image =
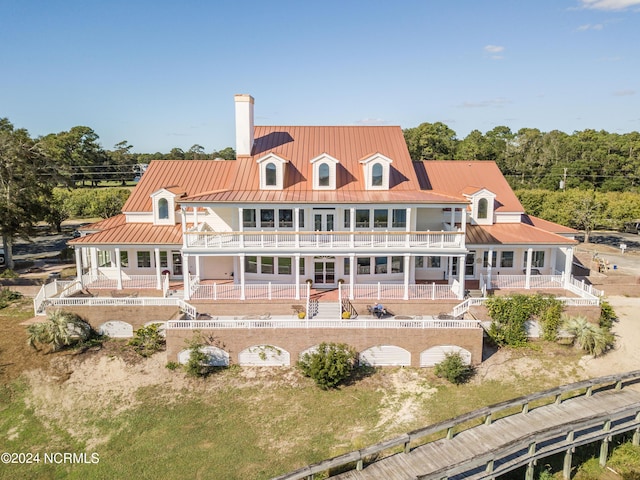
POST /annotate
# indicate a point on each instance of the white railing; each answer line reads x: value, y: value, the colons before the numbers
x: 463, y: 307
x: 188, y: 309
x: 306, y: 323
x: 69, y: 288
x: 235, y: 240
x: 113, y: 301
x: 580, y: 287
x: 396, y: 291
x: 98, y: 282
x: 520, y: 281
x: 233, y: 291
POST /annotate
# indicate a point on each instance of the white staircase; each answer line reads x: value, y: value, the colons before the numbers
x: 328, y: 311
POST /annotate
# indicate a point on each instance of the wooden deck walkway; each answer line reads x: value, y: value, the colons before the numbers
x: 475, y: 447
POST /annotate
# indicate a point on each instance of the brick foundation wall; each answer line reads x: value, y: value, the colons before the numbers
x: 296, y: 341
x: 136, y: 316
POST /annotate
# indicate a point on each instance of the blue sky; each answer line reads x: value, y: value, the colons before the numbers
x: 162, y: 74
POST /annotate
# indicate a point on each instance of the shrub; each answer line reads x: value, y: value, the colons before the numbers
x: 607, y: 315
x: 592, y: 339
x: 148, y: 340
x: 7, y: 297
x: 510, y: 313
x: 8, y: 273
x: 329, y: 365
x: 60, y: 330
x: 453, y: 368
x: 198, y: 364
x: 172, y: 366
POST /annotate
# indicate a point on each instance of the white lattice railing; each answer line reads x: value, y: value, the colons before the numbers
x: 233, y: 291
x: 306, y: 323
x: 396, y: 291
x: 235, y: 240
x: 100, y: 281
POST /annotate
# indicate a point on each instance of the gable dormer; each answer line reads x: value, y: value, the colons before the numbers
x: 272, y: 172
x: 377, y: 170
x: 482, y: 205
x: 163, y: 202
x: 324, y: 172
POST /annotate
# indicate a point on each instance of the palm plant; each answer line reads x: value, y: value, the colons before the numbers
x: 60, y: 330
x: 591, y: 338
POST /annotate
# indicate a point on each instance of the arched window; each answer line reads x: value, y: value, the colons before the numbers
x: 163, y: 209
x: 270, y: 174
x: 376, y: 175
x: 323, y: 175
x: 483, y: 207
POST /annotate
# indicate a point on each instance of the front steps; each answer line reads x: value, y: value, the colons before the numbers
x: 328, y: 311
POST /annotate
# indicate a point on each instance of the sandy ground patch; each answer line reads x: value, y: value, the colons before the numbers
x: 626, y: 355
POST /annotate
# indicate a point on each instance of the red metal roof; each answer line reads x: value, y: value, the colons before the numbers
x: 455, y: 177
x: 512, y: 234
x: 547, y: 225
x: 134, y: 233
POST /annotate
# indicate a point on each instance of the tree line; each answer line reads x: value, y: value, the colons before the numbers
x: 529, y: 158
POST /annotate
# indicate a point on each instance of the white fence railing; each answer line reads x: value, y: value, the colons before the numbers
x: 306, y: 324
x: 98, y: 282
x: 113, y: 301
x: 233, y: 291
x: 235, y: 240
x: 396, y: 291
x: 580, y: 287
x: 520, y: 281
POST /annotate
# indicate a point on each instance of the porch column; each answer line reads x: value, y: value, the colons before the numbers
x: 195, y: 217
x: 198, y: 265
x: 296, y: 229
x: 241, y: 260
x: 185, y: 275
x: 407, y: 267
x: 94, y: 260
x: 408, y: 226
x: 352, y: 274
x: 156, y: 255
x: 461, y: 268
x: 490, y: 266
x: 554, y: 259
x: 352, y: 229
x: 449, y: 269
x: 183, y: 218
x: 78, y: 252
x: 453, y: 219
x: 297, y: 267
x: 119, y: 267
x: 568, y: 264
x: 241, y: 225
x: 463, y: 225
x: 527, y: 282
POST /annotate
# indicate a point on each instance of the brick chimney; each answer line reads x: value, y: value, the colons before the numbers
x: 244, y: 124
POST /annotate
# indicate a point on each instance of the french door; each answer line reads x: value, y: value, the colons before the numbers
x: 324, y: 271
x: 323, y: 221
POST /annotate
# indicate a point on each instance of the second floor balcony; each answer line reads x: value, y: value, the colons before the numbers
x: 308, y: 241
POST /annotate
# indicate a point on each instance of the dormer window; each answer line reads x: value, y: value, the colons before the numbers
x: 272, y: 169
x: 163, y: 202
x: 377, y: 172
x: 324, y: 172
x: 271, y: 174
x: 376, y: 175
x: 163, y: 209
x: 323, y: 175
x: 483, y: 207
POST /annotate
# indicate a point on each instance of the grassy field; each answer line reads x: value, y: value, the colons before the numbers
x: 145, y: 421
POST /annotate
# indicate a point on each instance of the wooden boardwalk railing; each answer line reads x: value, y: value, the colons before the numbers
x: 476, y: 445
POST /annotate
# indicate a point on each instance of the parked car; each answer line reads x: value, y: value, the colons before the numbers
x: 2, y: 261
x: 632, y: 227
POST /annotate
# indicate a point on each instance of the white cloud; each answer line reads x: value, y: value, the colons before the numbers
x: 624, y: 93
x: 494, y: 102
x: 609, y: 4
x: 588, y: 26
x: 493, y: 49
